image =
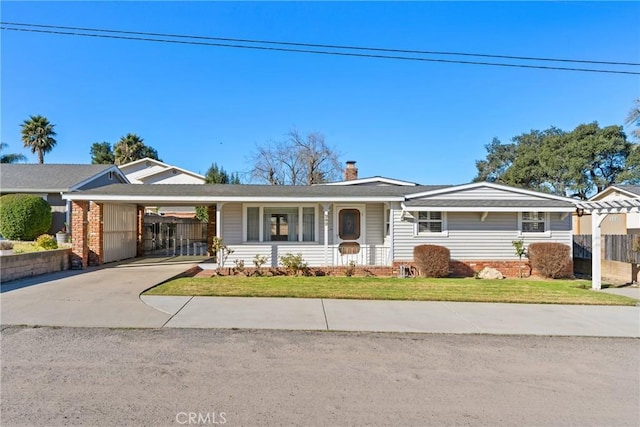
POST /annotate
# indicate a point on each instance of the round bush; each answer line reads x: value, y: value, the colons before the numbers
x: 47, y: 242
x: 23, y: 216
x: 432, y: 260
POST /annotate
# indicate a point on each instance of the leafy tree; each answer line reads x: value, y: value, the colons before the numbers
x: 131, y: 148
x: 299, y: 160
x: 38, y: 135
x: 10, y: 157
x: 633, y: 119
x: 576, y: 164
x: 102, y: 154
x: 215, y: 175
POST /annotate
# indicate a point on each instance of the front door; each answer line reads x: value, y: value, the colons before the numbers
x: 350, y: 234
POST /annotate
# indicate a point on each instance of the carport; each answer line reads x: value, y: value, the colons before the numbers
x: 108, y: 225
x: 598, y: 211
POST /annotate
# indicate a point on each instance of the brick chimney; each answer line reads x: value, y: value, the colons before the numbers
x: 351, y: 171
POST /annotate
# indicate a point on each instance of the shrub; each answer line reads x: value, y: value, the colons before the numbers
x: 47, y: 242
x: 5, y: 245
x: 431, y: 260
x: 23, y: 216
x: 351, y: 269
x: 294, y: 263
x: 550, y: 259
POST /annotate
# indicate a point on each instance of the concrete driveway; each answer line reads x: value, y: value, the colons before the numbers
x: 106, y: 297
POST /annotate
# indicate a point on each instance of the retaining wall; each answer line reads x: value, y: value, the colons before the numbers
x: 17, y: 266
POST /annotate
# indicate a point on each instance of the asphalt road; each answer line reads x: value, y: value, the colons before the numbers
x: 91, y: 376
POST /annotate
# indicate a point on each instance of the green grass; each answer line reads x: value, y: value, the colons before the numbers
x: 418, y: 289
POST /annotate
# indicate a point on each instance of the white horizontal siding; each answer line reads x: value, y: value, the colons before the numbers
x: 231, y: 225
x: 375, y: 224
x: 469, y: 238
x: 313, y: 254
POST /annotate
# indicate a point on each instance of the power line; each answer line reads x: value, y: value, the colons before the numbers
x: 329, y: 46
x: 320, y: 52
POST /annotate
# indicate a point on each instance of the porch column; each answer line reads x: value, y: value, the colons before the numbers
x: 79, y: 234
x: 139, y: 230
x: 96, y: 233
x: 219, y: 219
x: 391, y: 221
x: 325, y: 211
x: 596, y: 250
x: 211, y: 228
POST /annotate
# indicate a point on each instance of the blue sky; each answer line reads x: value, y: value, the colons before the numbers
x: 419, y: 121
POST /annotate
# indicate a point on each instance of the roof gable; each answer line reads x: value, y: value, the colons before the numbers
x: 486, y: 191
x: 145, y: 162
x: 618, y: 192
x: 157, y: 176
x: 374, y: 180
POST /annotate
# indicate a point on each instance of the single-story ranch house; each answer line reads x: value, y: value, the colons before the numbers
x: 374, y: 222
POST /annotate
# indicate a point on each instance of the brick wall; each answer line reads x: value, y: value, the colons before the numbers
x: 96, y: 234
x: 79, y: 233
x: 461, y: 268
x: 17, y: 266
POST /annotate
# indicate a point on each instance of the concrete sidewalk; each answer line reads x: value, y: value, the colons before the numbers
x: 398, y: 316
x: 109, y: 296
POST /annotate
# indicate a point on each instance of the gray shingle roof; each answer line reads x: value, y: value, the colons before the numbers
x: 46, y: 178
x: 243, y: 190
x: 635, y: 189
x: 450, y: 203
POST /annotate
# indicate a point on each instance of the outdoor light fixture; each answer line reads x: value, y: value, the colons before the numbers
x: 579, y: 211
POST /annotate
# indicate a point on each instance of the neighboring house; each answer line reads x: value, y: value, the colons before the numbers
x: 150, y: 171
x: 373, y: 222
x: 51, y: 180
x: 613, y: 223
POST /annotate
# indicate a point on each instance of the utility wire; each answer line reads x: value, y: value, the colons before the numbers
x: 329, y: 46
x: 320, y: 52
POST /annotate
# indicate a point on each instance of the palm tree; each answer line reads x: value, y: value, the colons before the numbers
x: 12, y: 157
x: 130, y: 148
x: 38, y: 134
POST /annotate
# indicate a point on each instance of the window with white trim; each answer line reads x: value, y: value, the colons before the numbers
x: 284, y: 224
x: 387, y: 222
x: 430, y: 222
x: 533, y: 222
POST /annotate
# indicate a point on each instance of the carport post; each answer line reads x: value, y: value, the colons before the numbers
x: 596, y: 250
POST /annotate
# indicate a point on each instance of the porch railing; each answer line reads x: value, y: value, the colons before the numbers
x: 367, y: 255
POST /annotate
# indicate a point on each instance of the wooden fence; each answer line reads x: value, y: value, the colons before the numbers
x: 616, y: 247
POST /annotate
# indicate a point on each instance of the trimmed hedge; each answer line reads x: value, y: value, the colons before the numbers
x: 24, y: 216
x: 552, y: 260
x: 431, y: 260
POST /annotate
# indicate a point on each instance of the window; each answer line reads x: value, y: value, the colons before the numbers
x: 387, y: 222
x: 280, y: 224
x: 430, y: 222
x: 533, y: 222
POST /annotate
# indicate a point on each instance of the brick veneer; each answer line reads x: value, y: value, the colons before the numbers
x: 79, y: 233
x: 96, y: 233
x: 468, y: 268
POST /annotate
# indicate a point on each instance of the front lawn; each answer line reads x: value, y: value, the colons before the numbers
x: 418, y: 289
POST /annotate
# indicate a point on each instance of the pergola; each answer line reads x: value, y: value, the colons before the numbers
x: 599, y: 211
